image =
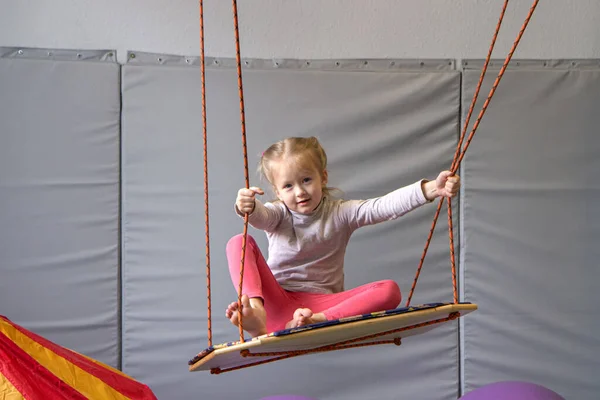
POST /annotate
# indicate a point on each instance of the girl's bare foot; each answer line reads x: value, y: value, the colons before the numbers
x: 304, y: 316
x: 254, y: 315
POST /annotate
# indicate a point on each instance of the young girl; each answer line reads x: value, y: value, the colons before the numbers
x: 302, y: 282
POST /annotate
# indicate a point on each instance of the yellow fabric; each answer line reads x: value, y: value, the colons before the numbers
x: 85, y: 383
x: 8, y: 391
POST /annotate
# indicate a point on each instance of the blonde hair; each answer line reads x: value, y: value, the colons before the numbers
x: 302, y: 150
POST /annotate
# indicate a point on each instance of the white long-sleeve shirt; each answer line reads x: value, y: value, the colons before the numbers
x: 306, y: 252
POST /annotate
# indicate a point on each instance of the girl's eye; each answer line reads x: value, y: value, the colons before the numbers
x: 307, y: 179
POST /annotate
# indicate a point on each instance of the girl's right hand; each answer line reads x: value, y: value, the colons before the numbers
x: 245, y: 199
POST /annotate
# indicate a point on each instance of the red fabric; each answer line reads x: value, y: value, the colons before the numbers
x: 30, y: 378
x: 126, y: 386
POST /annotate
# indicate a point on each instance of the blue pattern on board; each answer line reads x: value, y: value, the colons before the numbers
x: 362, y: 317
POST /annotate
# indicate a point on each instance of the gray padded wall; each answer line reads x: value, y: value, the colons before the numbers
x: 532, y: 226
x: 59, y: 196
x: 383, y: 128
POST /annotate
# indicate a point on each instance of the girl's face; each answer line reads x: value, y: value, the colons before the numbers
x: 298, y: 185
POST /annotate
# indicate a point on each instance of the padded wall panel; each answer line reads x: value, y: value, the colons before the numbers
x: 59, y: 196
x: 531, y: 227
x: 384, y: 125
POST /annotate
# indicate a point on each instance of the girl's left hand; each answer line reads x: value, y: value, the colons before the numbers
x: 447, y: 185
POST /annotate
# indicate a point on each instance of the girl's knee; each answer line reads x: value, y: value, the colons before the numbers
x: 236, y: 241
x: 390, y: 293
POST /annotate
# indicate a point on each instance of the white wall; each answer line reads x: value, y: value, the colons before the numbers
x: 307, y: 28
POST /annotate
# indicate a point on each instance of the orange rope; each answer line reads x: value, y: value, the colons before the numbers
x: 441, y: 202
x: 205, y: 143
x: 452, y: 258
x: 458, y: 147
x: 457, y: 160
x: 245, y: 152
x: 478, y: 88
x: 495, y: 85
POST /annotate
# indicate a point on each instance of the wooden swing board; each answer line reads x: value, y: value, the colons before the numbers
x: 409, y: 319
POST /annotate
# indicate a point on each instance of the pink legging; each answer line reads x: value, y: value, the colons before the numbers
x: 280, y: 304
